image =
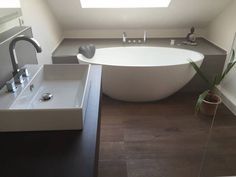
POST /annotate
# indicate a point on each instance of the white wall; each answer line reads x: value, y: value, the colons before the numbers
x: 173, y: 21
x: 46, y: 29
x: 221, y: 31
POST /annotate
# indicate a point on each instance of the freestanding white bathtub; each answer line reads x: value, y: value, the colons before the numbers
x: 143, y: 73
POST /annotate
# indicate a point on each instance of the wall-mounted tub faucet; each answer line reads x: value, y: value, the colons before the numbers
x: 145, y: 37
x: 19, y: 73
x: 124, y: 37
x: 134, y: 41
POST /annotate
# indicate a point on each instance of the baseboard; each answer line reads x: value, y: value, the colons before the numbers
x: 226, y: 100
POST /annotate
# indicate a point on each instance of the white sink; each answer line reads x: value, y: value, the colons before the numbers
x: 65, y: 86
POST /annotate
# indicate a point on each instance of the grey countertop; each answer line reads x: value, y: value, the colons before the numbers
x: 7, y: 35
x: 69, y: 47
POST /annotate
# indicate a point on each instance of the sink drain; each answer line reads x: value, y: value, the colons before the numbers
x: 46, y: 97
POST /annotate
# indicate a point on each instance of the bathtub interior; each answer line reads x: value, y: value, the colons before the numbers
x: 142, y: 56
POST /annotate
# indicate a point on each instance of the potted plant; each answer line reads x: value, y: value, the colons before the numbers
x: 208, y: 101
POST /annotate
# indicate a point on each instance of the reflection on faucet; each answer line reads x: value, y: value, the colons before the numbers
x: 144, y: 36
x: 124, y: 37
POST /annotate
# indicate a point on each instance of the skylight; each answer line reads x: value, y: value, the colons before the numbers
x: 124, y: 3
x: 9, y: 3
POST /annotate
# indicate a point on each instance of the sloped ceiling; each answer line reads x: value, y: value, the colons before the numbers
x: 180, y: 14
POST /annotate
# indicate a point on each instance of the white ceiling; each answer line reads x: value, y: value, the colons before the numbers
x: 180, y: 14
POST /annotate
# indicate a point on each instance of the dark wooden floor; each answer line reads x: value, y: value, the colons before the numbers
x: 164, y: 139
x: 220, y: 158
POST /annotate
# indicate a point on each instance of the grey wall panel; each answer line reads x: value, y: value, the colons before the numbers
x: 65, y: 60
x: 25, y: 52
x: 5, y: 66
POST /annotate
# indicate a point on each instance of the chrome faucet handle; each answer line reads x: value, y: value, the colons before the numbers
x: 145, y: 36
x: 25, y: 72
x: 11, y: 86
x: 19, y: 78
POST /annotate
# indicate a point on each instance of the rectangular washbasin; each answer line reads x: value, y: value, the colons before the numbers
x: 54, y: 98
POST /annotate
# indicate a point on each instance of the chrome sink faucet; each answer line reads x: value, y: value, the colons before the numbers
x: 18, y: 73
x: 12, y: 50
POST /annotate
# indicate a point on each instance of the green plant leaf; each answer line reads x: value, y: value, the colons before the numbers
x: 227, y: 70
x: 200, y: 100
x: 232, y: 56
x: 198, y: 70
x: 216, y: 80
x: 230, y: 65
x: 219, y: 77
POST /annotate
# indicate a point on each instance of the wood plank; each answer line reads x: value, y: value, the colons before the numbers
x: 165, y: 138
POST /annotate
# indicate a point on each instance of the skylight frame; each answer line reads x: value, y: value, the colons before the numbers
x: 125, y: 3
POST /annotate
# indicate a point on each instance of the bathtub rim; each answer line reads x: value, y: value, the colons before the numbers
x: 82, y: 58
